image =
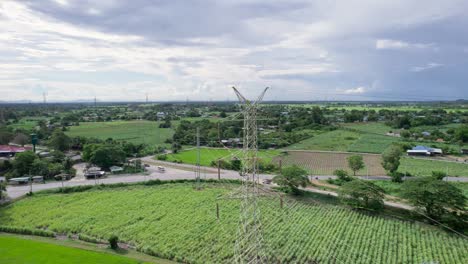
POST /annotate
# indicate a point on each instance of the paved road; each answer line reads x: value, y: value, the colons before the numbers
x: 152, y: 174
x: 173, y: 171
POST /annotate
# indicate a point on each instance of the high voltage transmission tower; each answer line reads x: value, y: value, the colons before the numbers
x: 248, y: 247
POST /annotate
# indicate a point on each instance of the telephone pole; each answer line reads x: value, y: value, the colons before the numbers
x: 44, y: 97
x: 197, y: 172
x: 249, y: 245
x: 146, y: 97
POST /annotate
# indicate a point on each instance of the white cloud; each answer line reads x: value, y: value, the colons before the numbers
x: 290, y: 44
x: 428, y: 66
x: 62, y: 2
x: 398, y: 44
x: 357, y: 90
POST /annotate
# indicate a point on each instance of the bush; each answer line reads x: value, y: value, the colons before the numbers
x: 162, y: 157
x: 88, y: 239
x: 439, y: 175
x: 342, y: 175
x: 113, y: 242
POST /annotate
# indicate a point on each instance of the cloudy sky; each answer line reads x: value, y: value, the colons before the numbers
x: 119, y: 50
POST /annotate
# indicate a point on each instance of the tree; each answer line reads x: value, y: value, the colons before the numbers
x: 23, y: 162
x: 40, y: 167
x: 461, y: 134
x: 342, y: 176
x: 176, y: 147
x: 391, y: 161
x: 362, y: 194
x: 114, y: 242
x: 59, y: 141
x: 107, y: 155
x: 438, y: 199
x: 405, y: 134
x: 67, y: 165
x: 355, y: 163
x: 5, y: 136
x: 54, y: 169
x: 223, y: 114
x: 21, y: 139
x: 292, y: 177
x: 2, y: 190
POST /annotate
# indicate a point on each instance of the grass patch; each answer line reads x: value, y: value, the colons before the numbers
x: 425, y: 167
x: 336, y: 140
x: 15, y: 250
x: 147, y: 132
x: 213, y: 154
x: 371, y: 127
x: 372, y: 143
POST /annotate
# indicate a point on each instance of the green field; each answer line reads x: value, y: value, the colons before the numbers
x: 213, y: 154
x: 14, y: 250
x: 424, y: 167
x: 177, y: 222
x: 394, y: 108
x: 131, y: 131
x: 336, y: 140
x: 26, y: 123
x: 372, y: 143
x: 371, y: 127
x: 393, y: 188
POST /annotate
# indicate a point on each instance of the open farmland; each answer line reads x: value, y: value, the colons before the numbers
x: 14, y: 250
x: 425, y: 166
x: 370, y: 127
x: 372, y: 143
x: 177, y: 222
x: 325, y: 163
x: 207, y: 155
x: 26, y: 123
x: 131, y: 131
x: 336, y: 140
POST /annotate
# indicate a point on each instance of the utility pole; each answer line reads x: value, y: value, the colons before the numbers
x: 197, y: 173
x: 44, y: 97
x: 146, y: 97
x: 2, y: 116
x: 249, y: 246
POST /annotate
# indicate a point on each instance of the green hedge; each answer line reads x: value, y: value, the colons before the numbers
x: 26, y: 231
x: 75, y: 189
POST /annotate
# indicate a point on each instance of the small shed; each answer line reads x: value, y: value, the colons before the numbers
x: 425, y: 133
x: 116, y: 169
x: 20, y: 180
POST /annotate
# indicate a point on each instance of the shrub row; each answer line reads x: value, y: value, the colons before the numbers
x: 90, y: 239
x: 83, y: 188
x: 26, y: 231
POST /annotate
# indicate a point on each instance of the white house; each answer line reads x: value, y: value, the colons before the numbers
x: 424, y: 151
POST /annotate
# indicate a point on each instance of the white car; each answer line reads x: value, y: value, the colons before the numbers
x: 161, y: 169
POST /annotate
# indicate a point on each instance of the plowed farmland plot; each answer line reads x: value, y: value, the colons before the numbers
x: 324, y: 163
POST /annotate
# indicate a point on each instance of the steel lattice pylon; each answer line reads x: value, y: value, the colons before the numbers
x: 248, y: 247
